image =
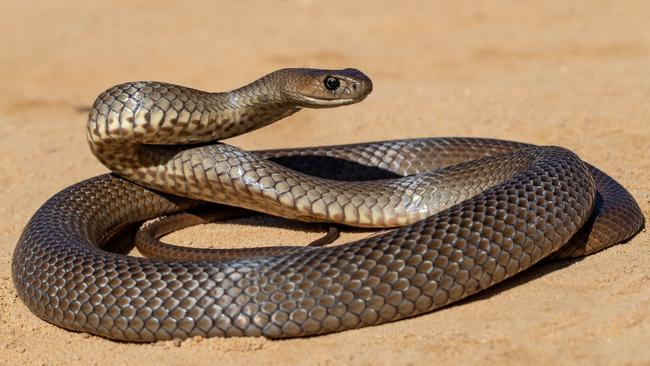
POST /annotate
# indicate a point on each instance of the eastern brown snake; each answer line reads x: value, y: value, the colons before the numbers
x: 467, y: 213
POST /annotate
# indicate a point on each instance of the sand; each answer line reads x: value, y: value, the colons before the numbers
x: 574, y: 75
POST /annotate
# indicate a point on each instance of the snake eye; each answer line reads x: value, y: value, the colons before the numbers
x: 332, y: 83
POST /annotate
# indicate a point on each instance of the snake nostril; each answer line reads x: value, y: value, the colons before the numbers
x: 354, y: 87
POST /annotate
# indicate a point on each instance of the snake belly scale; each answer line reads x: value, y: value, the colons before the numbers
x: 463, y: 214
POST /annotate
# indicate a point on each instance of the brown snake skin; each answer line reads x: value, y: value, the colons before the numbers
x: 469, y: 213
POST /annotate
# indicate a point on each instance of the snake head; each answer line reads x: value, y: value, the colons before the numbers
x: 316, y: 88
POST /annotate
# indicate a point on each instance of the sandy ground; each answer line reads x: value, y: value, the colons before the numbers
x: 542, y: 72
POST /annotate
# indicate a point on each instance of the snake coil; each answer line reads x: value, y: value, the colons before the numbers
x: 466, y: 214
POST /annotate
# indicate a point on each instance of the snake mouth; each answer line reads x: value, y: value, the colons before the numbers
x: 318, y: 102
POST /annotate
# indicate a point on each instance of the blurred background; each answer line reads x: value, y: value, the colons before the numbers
x: 427, y: 58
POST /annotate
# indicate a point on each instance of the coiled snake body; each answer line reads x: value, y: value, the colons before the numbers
x: 467, y: 213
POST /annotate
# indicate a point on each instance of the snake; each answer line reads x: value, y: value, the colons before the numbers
x: 457, y: 215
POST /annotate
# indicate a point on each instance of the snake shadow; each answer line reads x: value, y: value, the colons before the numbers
x: 333, y: 168
x: 536, y: 271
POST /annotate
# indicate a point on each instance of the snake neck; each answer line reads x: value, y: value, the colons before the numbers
x: 128, y: 117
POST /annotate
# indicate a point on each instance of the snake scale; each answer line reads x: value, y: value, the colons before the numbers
x: 461, y: 214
